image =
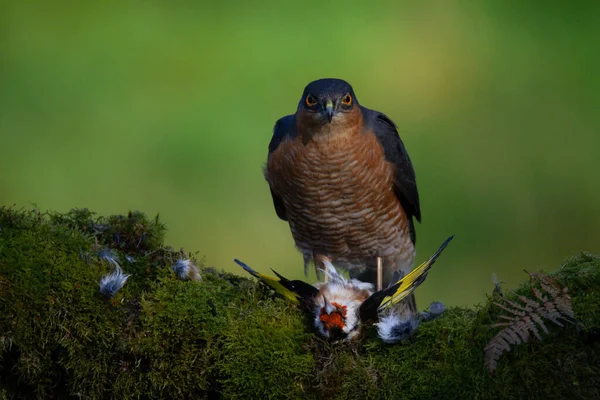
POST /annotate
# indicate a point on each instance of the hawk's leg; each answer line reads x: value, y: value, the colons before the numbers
x: 379, y: 273
x: 319, y: 261
x: 323, y: 259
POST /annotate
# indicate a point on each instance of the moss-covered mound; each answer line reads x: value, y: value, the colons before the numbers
x: 226, y: 336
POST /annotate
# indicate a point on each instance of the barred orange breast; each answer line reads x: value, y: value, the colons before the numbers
x: 337, y: 189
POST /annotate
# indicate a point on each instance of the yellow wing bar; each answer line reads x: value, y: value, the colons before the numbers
x: 294, y: 291
x: 409, y: 283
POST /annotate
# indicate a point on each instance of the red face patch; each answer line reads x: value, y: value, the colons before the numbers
x: 335, y: 319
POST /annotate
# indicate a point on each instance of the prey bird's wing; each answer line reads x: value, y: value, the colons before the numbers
x: 405, y: 184
x: 303, y: 290
x: 295, y: 291
x: 284, y: 128
x: 407, y: 285
x: 378, y: 301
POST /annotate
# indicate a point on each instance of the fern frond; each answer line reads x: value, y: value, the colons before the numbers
x: 549, y: 302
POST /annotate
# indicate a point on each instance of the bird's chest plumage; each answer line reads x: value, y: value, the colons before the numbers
x: 338, y: 194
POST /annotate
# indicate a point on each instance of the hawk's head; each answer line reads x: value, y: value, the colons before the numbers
x: 328, y: 103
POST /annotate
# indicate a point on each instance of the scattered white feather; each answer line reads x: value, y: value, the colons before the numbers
x: 391, y: 328
x: 436, y: 308
x: 186, y: 269
x: 111, y: 283
x: 495, y: 279
x: 130, y: 259
x: 109, y: 255
x: 497, y: 283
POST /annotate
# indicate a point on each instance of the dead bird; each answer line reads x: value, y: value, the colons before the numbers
x: 342, y: 306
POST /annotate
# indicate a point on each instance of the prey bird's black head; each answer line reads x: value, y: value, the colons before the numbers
x: 325, y: 99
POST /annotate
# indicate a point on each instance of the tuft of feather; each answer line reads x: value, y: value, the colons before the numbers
x: 111, y: 283
x: 109, y: 255
x: 186, y: 269
x: 392, y: 328
x: 497, y: 284
x: 436, y: 308
x: 434, y: 311
x: 549, y: 302
x: 129, y: 259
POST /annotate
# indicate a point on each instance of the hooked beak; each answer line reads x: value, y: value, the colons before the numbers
x: 329, y: 110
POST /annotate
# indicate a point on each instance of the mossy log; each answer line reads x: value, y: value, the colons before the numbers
x: 226, y: 336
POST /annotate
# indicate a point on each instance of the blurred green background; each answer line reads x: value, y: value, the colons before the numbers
x: 168, y: 107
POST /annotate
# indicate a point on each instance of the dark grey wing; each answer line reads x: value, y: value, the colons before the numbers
x: 284, y: 128
x: 279, y: 206
x: 405, y: 184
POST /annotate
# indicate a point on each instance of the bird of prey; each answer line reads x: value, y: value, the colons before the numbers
x: 340, y: 175
x: 341, y: 307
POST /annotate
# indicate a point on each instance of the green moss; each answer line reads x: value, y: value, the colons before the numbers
x: 263, y: 353
x: 227, y: 336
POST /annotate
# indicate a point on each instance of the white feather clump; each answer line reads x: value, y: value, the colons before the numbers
x: 111, y: 283
x: 186, y: 269
x: 391, y: 328
x: 435, y: 310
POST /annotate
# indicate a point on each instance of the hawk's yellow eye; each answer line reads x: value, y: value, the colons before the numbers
x: 347, y: 100
x: 310, y: 100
